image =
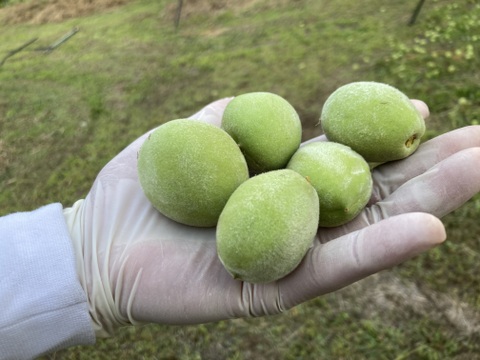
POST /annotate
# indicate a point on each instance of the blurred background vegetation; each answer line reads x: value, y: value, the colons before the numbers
x: 64, y: 113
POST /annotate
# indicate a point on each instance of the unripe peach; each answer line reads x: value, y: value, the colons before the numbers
x: 376, y: 120
x: 266, y: 127
x: 188, y: 169
x: 267, y: 226
x: 341, y: 177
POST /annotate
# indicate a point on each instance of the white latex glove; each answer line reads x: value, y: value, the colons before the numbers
x: 137, y: 266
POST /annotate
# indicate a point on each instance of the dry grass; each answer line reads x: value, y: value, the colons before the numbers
x: 195, y: 7
x: 51, y: 11
x: 54, y: 11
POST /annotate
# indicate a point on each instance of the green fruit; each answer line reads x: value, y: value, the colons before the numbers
x: 341, y: 177
x: 189, y: 169
x: 267, y: 226
x: 266, y: 127
x: 374, y: 119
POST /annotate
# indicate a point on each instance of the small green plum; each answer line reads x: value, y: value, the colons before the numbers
x: 266, y: 127
x: 376, y: 120
x: 188, y: 169
x: 267, y: 226
x: 341, y: 177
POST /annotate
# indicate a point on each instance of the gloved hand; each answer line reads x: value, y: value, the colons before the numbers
x: 136, y: 266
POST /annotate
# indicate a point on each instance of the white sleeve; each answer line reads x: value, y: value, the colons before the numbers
x: 43, y: 307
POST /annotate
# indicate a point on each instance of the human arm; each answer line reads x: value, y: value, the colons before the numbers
x: 44, y: 308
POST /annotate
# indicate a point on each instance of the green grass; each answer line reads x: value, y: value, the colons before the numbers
x: 63, y: 115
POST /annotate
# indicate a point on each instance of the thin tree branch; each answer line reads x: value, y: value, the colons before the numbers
x: 178, y: 13
x: 59, y: 41
x: 414, y: 16
x: 14, y: 51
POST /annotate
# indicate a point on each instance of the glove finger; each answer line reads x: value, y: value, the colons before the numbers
x: 438, y: 191
x: 213, y: 112
x: 345, y: 260
x: 390, y: 176
x: 421, y: 107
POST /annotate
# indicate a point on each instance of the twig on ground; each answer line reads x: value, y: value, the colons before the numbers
x: 14, y: 51
x: 59, y: 41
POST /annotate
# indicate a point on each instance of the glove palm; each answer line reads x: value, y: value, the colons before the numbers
x: 137, y: 266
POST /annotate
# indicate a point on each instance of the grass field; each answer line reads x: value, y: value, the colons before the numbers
x: 65, y: 113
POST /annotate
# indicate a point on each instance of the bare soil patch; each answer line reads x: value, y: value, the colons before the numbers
x: 395, y: 299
